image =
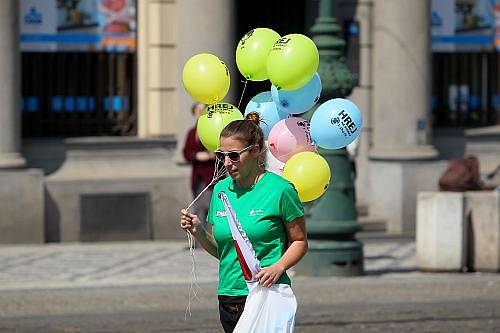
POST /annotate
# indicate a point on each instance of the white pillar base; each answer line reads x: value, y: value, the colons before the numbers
x: 12, y: 161
x: 441, y: 231
x: 22, y: 206
x: 394, y: 188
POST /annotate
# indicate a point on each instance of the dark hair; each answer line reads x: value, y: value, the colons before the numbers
x: 246, y: 130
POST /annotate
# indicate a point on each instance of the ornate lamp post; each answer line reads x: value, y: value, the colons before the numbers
x: 332, y: 219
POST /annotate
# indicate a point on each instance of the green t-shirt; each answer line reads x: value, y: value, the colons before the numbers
x: 262, y: 210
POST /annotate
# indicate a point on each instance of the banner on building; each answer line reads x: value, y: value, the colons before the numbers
x: 78, y: 25
x: 496, y: 12
x: 464, y: 25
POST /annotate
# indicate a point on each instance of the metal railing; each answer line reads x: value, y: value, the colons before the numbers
x: 466, y: 89
x: 68, y: 94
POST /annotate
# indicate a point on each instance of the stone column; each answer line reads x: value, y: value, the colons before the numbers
x: 205, y: 26
x: 401, y: 106
x: 169, y: 33
x: 402, y: 80
x: 21, y: 189
x: 10, y: 129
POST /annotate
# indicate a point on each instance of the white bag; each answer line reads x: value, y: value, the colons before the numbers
x: 267, y: 310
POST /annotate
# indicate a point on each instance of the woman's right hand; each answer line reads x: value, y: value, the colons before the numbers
x: 189, y: 222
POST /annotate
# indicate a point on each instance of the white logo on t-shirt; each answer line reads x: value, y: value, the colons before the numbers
x: 220, y: 214
x: 256, y: 212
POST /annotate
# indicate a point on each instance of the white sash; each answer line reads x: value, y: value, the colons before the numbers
x: 266, y: 309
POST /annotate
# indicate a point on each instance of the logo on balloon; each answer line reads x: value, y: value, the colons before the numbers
x: 245, y: 38
x: 281, y: 43
x: 221, y: 108
x: 227, y: 71
x: 307, y: 130
x: 347, y: 120
x: 348, y: 127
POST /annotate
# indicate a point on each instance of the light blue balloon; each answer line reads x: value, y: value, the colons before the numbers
x: 336, y: 123
x: 263, y: 104
x: 298, y: 100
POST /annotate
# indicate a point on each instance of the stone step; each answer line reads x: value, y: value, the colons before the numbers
x: 372, y: 223
x: 380, y: 237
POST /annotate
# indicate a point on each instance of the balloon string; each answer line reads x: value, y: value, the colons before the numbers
x: 243, y: 93
x: 194, y: 288
x: 218, y: 174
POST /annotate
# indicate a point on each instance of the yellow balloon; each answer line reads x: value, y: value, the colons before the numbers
x: 206, y: 78
x: 309, y: 173
x: 213, y: 120
x: 292, y: 62
x: 252, y: 52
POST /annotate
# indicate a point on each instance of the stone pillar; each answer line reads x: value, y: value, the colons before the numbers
x: 362, y: 96
x: 10, y: 129
x: 21, y: 190
x: 207, y: 26
x: 402, y: 82
x: 401, y: 106
x: 169, y: 33
x: 157, y: 67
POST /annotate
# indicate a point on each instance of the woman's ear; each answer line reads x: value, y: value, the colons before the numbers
x: 256, y: 151
x: 261, y: 158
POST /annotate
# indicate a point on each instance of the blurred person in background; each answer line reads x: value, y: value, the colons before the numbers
x: 203, y: 164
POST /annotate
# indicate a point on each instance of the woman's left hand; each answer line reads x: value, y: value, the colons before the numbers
x: 269, y: 275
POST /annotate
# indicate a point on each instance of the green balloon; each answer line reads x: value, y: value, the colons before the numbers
x: 292, y: 62
x: 213, y: 120
x: 252, y: 52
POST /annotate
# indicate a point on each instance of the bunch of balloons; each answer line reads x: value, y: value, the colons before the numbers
x: 291, y: 64
x: 206, y: 79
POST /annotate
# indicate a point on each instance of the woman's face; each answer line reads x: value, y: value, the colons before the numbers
x: 248, y: 162
x: 198, y: 110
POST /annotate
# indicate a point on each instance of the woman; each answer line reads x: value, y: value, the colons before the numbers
x: 268, y: 208
x: 202, y: 162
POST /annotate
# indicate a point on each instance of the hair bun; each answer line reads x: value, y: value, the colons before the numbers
x: 254, y: 117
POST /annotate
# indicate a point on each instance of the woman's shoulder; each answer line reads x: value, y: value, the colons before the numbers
x: 222, y: 184
x: 277, y: 181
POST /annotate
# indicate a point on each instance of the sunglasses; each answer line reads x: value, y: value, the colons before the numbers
x: 234, y: 156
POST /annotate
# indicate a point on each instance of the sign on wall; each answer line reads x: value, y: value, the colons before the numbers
x: 78, y: 25
x: 464, y: 25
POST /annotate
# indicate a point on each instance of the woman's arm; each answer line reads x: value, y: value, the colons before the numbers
x: 190, y: 222
x: 297, y: 236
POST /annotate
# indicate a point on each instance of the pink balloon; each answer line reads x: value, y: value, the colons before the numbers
x: 289, y: 137
x: 272, y: 163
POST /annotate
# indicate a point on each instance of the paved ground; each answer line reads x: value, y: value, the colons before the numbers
x: 143, y: 287
x: 145, y: 263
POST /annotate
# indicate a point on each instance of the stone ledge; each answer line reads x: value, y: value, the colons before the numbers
x: 422, y: 152
x: 483, y: 131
